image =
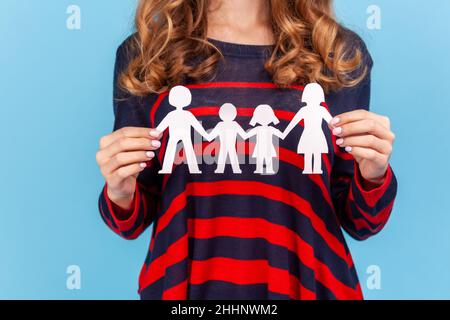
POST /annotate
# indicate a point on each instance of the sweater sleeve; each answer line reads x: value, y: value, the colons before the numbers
x: 362, y: 211
x: 129, y: 111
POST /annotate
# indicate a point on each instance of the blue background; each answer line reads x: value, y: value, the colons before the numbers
x: 55, y: 103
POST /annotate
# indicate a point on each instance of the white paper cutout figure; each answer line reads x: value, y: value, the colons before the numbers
x: 264, y: 149
x: 227, y: 130
x: 179, y: 123
x: 312, y: 142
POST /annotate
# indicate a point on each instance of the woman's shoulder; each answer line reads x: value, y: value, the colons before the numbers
x: 357, y: 96
x: 129, y: 109
x: 355, y: 44
x: 127, y: 50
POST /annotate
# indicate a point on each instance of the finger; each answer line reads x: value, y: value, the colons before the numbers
x: 362, y: 127
x: 130, y: 144
x: 126, y: 158
x: 366, y: 153
x: 126, y: 172
x: 358, y: 115
x: 350, y: 116
x: 366, y: 141
x: 129, y: 132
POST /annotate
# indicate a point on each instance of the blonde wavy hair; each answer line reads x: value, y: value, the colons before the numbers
x: 311, y: 46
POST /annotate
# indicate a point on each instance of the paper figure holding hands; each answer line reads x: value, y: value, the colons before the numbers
x: 264, y: 151
x: 227, y: 130
x: 312, y: 142
x: 179, y: 123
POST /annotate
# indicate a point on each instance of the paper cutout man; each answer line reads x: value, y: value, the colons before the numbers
x: 264, y: 149
x: 227, y: 130
x: 312, y: 142
x: 179, y: 123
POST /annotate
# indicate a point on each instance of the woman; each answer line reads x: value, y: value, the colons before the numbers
x: 312, y: 142
x: 245, y: 236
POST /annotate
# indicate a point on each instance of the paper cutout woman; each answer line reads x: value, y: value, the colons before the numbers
x: 264, y: 149
x: 179, y: 123
x: 312, y: 142
x: 227, y: 130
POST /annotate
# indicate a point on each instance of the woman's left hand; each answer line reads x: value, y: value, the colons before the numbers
x: 368, y: 137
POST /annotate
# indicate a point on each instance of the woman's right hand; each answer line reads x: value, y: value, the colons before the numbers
x: 123, y: 154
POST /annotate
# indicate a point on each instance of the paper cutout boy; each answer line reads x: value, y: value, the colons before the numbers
x: 227, y: 130
x: 312, y: 142
x: 179, y: 123
x: 264, y: 151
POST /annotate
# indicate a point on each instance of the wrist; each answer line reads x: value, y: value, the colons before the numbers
x: 124, y: 202
x: 370, y: 183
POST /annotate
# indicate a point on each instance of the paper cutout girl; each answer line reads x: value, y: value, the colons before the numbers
x: 227, y: 130
x: 312, y: 142
x: 179, y: 123
x: 264, y: 149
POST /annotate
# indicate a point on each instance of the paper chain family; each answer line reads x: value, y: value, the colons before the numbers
x: 312, y: 142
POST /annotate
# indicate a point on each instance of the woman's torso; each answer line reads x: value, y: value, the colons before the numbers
x: 247, y: 236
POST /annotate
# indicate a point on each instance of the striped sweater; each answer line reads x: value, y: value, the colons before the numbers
x: 248, y: 236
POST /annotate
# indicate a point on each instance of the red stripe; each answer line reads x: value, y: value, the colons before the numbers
x: 253, y: 189
x: 178, y: 292
x: 255, y: 85
x: 274, y: 234
x: 175, y: 253
x: 152, y: 242
x: 162, y: 149
x: 247, y: 272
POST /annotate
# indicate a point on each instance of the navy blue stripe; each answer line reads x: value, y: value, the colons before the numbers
x: 323, y: 293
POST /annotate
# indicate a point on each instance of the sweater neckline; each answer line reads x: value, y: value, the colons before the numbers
x: 242, y: 50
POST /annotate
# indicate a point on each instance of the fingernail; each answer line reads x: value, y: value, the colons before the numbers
x: 337, y: 131
x: 150, y: 154
x: 155, y: 133
x: 339, y: 141
x: 142, y: 165
x: 156, y: 143
x: 348, y: 149
x: 335, y: 121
